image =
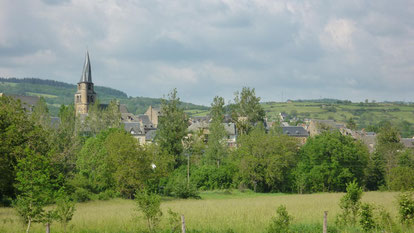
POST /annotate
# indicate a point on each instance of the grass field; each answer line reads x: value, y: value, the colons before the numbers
x: 215, y: 212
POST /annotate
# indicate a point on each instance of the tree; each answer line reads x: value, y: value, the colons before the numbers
x: 149, y: 204
x: 95, y: 173
x: 65, y: 141
x: 246, y: 110
x: 17, y: 132
x: 64, y: 210
x: 388, y: 148
x: 351, y: 123
x: 40, y: 114
x: 217, y: 146
x: 131, y: 162
x: 172, y: 126
x: 265, y: 160
x: 34, y: 185
x: 330, y: 160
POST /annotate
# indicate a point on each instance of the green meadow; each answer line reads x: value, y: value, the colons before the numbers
x: 216, y: 211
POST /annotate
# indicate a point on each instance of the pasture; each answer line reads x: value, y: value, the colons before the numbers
x: 216, y: 211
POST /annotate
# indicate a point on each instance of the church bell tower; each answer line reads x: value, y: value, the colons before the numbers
x: 85, y: 96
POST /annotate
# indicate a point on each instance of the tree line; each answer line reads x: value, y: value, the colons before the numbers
x: 95, y: 158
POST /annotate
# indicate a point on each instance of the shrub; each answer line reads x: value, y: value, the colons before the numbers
x: 401, y: 178
x: 350, y: 204
x: 81, y: 195
x: 149, y: 204
x: 406, y: 208
x: 280, y: 223
x: 367, y: 218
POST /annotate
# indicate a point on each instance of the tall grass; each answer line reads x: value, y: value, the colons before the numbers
x: 215, y: 212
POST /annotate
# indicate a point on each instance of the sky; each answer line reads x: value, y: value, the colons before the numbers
x: 288, y: 49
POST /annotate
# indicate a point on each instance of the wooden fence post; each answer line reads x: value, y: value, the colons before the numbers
x: 182, y: 224
x: 47, y: 227
x: 325, y: 222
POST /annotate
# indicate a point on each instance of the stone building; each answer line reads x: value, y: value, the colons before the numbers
x: 85, y: 96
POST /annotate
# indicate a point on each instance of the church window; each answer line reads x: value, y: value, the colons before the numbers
x: 89, y: 86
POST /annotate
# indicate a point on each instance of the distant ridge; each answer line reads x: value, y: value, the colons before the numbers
x: 57, y: 93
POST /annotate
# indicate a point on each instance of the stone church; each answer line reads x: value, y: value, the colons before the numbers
x: 142, y: 126
x: 85, y: 96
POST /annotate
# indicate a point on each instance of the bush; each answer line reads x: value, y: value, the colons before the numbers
x: 177, y: 185
x: 406, y: 208
x: 149, y: 204
x: 401, y: 178
x: 107, y: 194
x: 280, y: 223
x: 367, y: 218
x: 350, y: 204
x: 81, y: 195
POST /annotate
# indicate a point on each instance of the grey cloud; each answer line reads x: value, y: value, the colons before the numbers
x: 208, y: 48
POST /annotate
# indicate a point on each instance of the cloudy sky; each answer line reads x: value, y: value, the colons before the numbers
x: 348, y: 49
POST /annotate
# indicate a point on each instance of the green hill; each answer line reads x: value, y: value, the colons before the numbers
x: 365, y: 115
x: 58, y: 93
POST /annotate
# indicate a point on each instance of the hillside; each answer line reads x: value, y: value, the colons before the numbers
x: 365, y: 115
x: 58, y: 93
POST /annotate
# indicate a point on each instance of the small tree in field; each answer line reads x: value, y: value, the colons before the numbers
x: 149, y: 204
x: 350, y: 204
x: 34, y: 186
x: 281, y: 222
x: 64, y: 210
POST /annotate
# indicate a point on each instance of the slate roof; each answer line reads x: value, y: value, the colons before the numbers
x: 194, y: 127
x: 134, y: 127
x: 144, y: 119
x: 128, y: 117
x: 295, y: 131
x: 150, y: 135
x: 86, y: 73
x: 123, y: 108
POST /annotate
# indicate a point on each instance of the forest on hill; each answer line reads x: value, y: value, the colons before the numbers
x: 57, y: 93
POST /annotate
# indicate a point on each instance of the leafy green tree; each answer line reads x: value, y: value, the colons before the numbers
x: 351, y: 124
x: 130, y: 160
x: 246, y: 110
x: 265, y: 160
x: 217, y: 145
x: 66, y: 141
x: 40, y: 114
x: 95, y: 173
x: 330, y: 160
x: 388, y: 148
x: 149, y: 204
x: 17, y: 132
x: 34, y: 185
x: 172, y: 127
x: 99, y: 118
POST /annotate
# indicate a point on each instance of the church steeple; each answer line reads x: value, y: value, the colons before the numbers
x: 85, y: 96
x: 86, y: 73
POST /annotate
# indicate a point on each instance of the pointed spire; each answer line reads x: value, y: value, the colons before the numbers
x: 86, y: 73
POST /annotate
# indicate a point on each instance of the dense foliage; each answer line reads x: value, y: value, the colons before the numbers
x: 80, y: 159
